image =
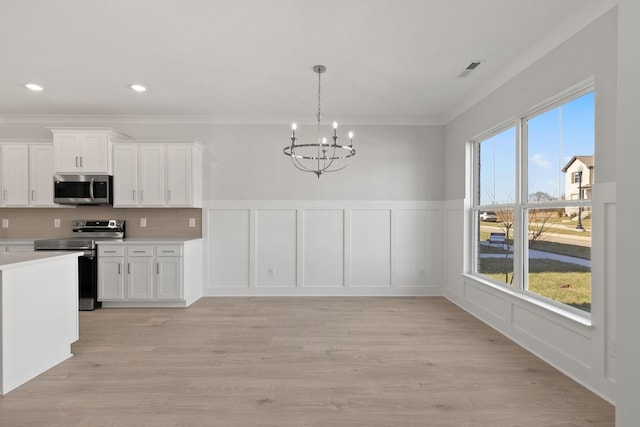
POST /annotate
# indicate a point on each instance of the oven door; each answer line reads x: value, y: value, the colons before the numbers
x: 88, y: 283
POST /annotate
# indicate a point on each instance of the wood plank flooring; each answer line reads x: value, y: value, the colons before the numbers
x: 299, y: 362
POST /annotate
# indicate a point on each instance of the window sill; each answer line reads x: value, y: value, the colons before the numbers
x: 579, y: 318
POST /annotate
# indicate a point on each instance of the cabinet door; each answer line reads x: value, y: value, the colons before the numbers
x: 179, y: 176
x: 66, y: 153
x: 169, y: 278
x: 151, y: 175
x: 41, y: 175
x: 140, y: 278
x: 111, y: 278
x: 15, y: 175
x: 94, y: 154
x: 125, y: 175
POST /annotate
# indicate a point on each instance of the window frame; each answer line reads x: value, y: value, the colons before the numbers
x: 521, y: 204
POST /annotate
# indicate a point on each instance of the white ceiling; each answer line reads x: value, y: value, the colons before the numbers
x: 389, y: 61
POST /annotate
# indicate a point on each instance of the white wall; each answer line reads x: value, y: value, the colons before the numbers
x: 585, y: 352
x: 628, y: 236
x: 245, y: 162
x: 324, y: 248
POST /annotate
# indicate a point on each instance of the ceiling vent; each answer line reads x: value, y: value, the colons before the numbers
x: 472, y: 66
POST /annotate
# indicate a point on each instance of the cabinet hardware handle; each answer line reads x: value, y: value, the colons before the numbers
x: 168, y: 252
x: 33, y: 194
x: 158, y: 268
x: 4, y: 194
x: 169, y: 191
x: 134, y: 195
x: 119, y: 268
x: 139, y: 252
x: 76, y: 161
x: 109, y: 252
x: 141, y: 195
x: 128, y: 268
x: 81, y: 162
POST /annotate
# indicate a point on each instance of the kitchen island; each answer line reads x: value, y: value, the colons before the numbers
x: 38, y: 313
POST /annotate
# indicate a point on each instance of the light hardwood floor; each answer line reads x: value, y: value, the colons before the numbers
x: 299, y: 362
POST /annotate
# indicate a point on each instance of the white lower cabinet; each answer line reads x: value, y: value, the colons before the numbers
x: 148, y: 275
x: 139, y: 279
x: 168, y: 278
x: 110, y: 278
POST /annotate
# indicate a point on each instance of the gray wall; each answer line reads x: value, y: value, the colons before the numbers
x: 628, y: 236
x: 585, y: 354
x: 591, y: 54
x: 245, y: 162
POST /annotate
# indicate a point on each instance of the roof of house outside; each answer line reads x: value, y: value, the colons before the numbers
x: 585, y: 160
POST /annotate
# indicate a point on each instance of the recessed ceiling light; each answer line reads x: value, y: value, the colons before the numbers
x: 138, y: 88
x: 34, y: 87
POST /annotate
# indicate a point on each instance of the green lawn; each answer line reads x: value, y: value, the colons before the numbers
x: 560, y: 281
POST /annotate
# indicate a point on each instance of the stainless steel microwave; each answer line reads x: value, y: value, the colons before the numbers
x: 83, y: 189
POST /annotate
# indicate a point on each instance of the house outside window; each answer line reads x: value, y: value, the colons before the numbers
x: 536, y: 176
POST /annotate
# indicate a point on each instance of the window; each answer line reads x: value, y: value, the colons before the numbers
x: 575, y: 177
x: 534, y: 176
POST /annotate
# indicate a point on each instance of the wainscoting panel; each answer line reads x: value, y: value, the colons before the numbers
x: 583, y: 347
x: 229, y: 249
x: 567, y: 342
x: 417, y: 246
x: 328, y: 248
x: 371, y: 248
x: 276, y: 248
x: 489, y: 304
x: 323, y: 248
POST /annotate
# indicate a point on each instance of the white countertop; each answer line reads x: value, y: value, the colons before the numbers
x: 149, y: 240
x: 17, y: 241
x: 21, y: 259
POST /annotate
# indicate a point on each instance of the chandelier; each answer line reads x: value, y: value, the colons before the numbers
x: 319, y: 156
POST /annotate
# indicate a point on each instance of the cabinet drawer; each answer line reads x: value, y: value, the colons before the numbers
x: 169, y: 250
x: 140, y: 250
x: 110, y: 250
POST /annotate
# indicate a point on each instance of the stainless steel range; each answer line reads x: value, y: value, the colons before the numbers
x: 85, y: 235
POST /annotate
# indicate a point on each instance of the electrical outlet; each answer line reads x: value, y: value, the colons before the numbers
x: 56, y: 223
x: 5, y: 222
x: 192, y: 222
x: 143, y: 222
x: 270, y: 272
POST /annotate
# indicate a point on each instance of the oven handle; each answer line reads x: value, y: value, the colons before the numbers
x: 91, y: 194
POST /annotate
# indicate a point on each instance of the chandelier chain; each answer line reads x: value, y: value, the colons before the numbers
x: 319, y: 95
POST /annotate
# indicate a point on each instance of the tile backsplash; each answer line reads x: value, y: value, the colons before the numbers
x: 25, y: 223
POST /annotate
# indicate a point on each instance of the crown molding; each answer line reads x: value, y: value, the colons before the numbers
x: 97, y: 120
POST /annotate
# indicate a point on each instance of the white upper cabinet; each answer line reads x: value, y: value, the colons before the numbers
x: 151, y: 180
x: 15, y: 175
x: 27, y: 174
x: 41, y: 175
x: 184, y: 175
x: 84, y: 150
x: 125, y: 179
x: 157, y: 174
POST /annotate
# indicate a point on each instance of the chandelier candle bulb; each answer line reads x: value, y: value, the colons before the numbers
x: 293, y: 128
